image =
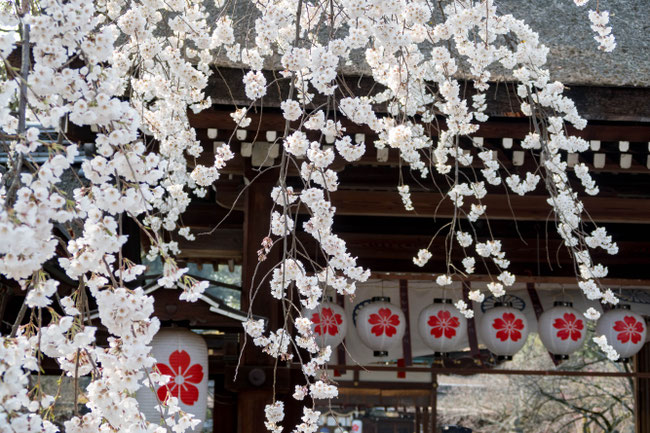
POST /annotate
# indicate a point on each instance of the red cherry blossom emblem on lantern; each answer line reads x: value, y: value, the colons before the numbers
x: 327, y: 322
x: 443, y: 324
x: 508, y: 327
x: 568, y: 327
x: 384, y: 321
x: 629, y: 329
x: 183, y: 376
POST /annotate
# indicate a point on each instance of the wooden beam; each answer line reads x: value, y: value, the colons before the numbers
x: 404, y: 247
x: 501, y: 372
x: 167, y: 307
x: 272, y: 120
x: 221, y: 244
x: 499, y: 207
x: 624, y: 282
x: 382, y: 394
x: 376, y: 250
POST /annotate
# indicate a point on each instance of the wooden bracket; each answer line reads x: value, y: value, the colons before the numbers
x: 537, y: 306
x: 404, y: 304
x: 471, y: 324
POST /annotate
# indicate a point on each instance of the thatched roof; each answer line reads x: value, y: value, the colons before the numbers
x: 563, y: 27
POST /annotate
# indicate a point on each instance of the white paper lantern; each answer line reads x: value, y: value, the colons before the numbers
x: 503, y: 330
x: 183, y: 355
x: 442, y: 327
x: 381, y: 325
x: 562, y: 329
x: 624, y: 329
x: 329, y: 324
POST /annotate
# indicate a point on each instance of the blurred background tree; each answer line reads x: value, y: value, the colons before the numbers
x: 537, y: 404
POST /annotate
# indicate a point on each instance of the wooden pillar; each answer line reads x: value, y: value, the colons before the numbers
x: 257, y: 219
x: 642, y: 391
x: 254, y: 384
x: 250, y: 410
x: 425, y: 419
x: 433, y: 402
x: 224, y: 412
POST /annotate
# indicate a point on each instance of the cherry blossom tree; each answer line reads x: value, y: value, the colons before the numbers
x: 132, y: 69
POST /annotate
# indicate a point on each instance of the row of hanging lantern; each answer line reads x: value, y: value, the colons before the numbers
x: 503, y: 329
x: 183, y: 355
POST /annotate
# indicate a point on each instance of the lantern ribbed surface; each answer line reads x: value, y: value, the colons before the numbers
x: 562, y: 330
x: 381, y: 326
x: 183, y: 355
x: 442, y: 327
x: 503, y: 330
x: 625, y: 331
x: 329, y: 324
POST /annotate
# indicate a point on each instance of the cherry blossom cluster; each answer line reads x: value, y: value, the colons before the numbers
x: 611, y: 353
x: 130, y: 71
x: 469, y: 39
x: 604, y: 36
x: 599, y: 21
x: 106, y: 66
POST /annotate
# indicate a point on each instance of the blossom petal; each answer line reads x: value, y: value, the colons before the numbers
x: 515, y: 335
x: 638, y: 327
x: 394, y: 320
x: 450, y: 332
x: 630, y: 320
x: 518, y: 324
x: 619, y: 326
x: 569, y: 317
x: 579, y: 325
x: 179, y: 360
x: 575, y: 335
x: 436, y: 331
x: 623, y: 337
x: 560, y: 324
x: 164, y: 369
x: 385, y: 312
x: 374, y: 319
x: 189, y: 394
x: 168, y: 390
x: 502, y: 335
x: 563, y: 334
x: 390, y: 330
x: 377, y: 330
x: 194, y: 374
x: 498, y: 323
